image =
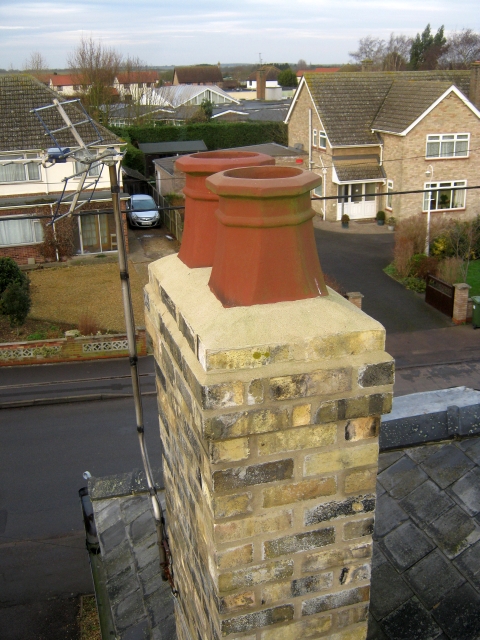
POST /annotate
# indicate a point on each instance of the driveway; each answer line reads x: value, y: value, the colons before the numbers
x: 355, y: 257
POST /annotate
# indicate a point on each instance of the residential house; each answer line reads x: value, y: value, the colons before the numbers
x: 65, y: 84
x: 384, y: 132
x: 29, y: 192
x: 132, y: 85
x: 198, y: 75
x: 271, y: 77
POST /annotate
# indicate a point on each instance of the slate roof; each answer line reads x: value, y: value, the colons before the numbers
x: 20, y: 130
x: 350, y: 103
x: 198, y: 74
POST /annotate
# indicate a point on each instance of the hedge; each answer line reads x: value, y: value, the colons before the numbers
x: 216, y: 135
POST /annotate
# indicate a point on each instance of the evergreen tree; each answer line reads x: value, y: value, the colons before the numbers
x: 427, y: 48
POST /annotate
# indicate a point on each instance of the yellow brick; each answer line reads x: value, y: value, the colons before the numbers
x: 361, y: 480
x: 359, y: 633
x: 309, y: 628
x: 228, y: 506
x: 237, y: 601
x: 235, y: 557
x: 229, y: 450
x: 239, y: 529
x: 330, y: 558
x: 275, y: 592
x: 300, y: 438
x: 346, y: 344
x: 344, y: 458
x: 362, y: 428
x: 306, y: 490
x: 301, y: 415
x: 258, y: 574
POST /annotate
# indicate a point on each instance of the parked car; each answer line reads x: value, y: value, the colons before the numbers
x: 142, y: 211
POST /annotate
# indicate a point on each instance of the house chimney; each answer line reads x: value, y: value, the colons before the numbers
x: 474, y: 93
x: 367, y: 65
x: 261, y: 84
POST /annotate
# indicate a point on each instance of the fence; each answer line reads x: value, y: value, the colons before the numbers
x: 440, y: 295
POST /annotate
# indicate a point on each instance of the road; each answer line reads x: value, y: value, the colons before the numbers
x: 43, y: 453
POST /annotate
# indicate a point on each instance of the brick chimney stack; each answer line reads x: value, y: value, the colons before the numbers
x: 474, y: 94
x: 367, y: 65
x: 261, y: 84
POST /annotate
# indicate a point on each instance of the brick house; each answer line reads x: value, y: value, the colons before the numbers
x: 132, y: 85
x: 380, y: 132
x: 29, y: 192
x: 198, y: 74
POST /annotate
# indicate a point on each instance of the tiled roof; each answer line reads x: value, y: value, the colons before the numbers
x: 198, y: 74
x: 135, y: 77
x: 349, y: 103
x: 20, y: 130
x: 350, y: 172
x: 302, y: 72
x: 65, y: 80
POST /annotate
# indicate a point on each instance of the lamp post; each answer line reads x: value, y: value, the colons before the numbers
x: 429, y: 174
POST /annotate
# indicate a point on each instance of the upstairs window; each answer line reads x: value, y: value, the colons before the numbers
x: 448, y: 145
x: 446, y: 197
x: 18, y: 172
x: 322, y: 139
x: 93, y: 172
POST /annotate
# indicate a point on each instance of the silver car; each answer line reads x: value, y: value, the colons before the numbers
x: 142, y: 211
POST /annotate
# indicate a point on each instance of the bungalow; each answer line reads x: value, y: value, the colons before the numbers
x: 383, y: 132
x: 132, y: 85
x: 29, y: 191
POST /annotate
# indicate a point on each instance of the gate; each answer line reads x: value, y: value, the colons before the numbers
x: 440, y: 295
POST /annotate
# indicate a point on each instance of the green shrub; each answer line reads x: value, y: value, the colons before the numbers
x: 381, y: 215
x: 16, y: 303
x: 414, y: 284
x: 9, y: 273
x: 421, y: 265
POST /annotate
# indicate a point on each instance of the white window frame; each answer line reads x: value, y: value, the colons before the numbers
x: 32, y: 227
x: 314, y: 137
x: 444, y: 139
x: 322, y: 139
x: 94, y: 171
x: 27, y: 168
x: 446, y: 185
x: 388, y: 203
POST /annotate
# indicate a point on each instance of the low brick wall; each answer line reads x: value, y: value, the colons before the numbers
x: 70, y: 349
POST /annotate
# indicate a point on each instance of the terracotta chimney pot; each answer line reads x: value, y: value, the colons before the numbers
x: 265, y: 249
x: 200, y: 225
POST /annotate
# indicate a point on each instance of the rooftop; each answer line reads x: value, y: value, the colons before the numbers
x: 199, y: 74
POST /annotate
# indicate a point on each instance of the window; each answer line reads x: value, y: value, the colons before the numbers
x: 369, y: 191
x: 357, y: 192
x: 446, y: 197
x: 18, y: 172
x: 314, y: 138
x: 448, y: 145
x: 94, y: 169
x: 15, y: 232
x: 389, y: 194
x: 318, y: 191
x: 322, y: 139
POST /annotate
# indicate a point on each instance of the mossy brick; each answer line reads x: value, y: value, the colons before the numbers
x: 258, y: 619
x: 327, y: 412
x: 167, y: 364
x: 223, y: 395
x: 360, y: 480
x: 234, y: 425
x: 299, y: 491
x: 299, y: 542
x: 352, y: 616
x: 252, y: 475
x: 322, y: 382
x: 235, y: 505
x: 229, y: 450
x: 255, y: 392
x: 308, y: 628
x: 376, y: 375
x: 362, y: 428
x: 256, y: 574
x: 359, y: 632
x: 298, y: 438
x: 168, y: 302
x: 187, y: 333
x: 160, y: 376
x: 350, y: 575
x: 338, y: 459
x: 345, y: 344
x: 335, y: 557
x: 183, y: 391
x: 236, y: 602
x: 249, y: 358
x: 170, y: 342
x: 335, y: 600
x: 311, y: 584
x: 234, y: 557
x: 272, y: 593
x: 301, y: 415
x: 248, y: 527
x: 340, y: 509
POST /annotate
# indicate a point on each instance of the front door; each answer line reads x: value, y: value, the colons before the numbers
x: 357, y: 200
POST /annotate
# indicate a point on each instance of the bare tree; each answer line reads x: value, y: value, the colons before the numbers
x: 35, y: 64
x: 463, y: 49
x: 302, y: 65
x: 96, y: 67
x: 370, y: 48
x: 397, y: 52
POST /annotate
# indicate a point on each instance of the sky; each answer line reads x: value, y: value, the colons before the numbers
x: 182, y: 32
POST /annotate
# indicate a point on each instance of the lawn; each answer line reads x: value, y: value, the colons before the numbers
x: 60, y: 295
x: 473, y: 277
